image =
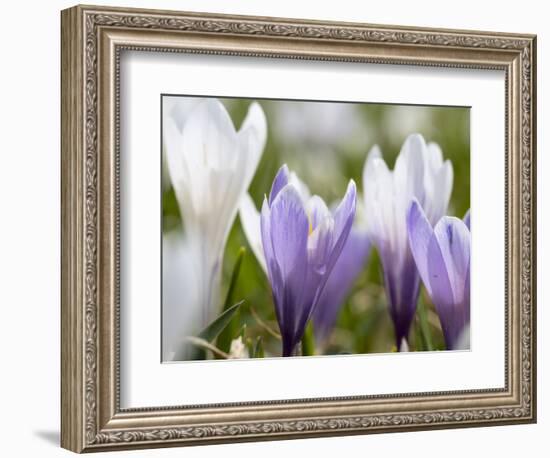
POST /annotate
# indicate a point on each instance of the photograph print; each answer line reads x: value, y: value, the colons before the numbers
x: 308, y: 228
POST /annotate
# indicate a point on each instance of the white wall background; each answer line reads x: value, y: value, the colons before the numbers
x: 29, y: 229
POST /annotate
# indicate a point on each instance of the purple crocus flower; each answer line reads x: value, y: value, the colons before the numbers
x: 419, y: 172
x: 302, y: 241
x: 344, y: 274
x: 442, y: 255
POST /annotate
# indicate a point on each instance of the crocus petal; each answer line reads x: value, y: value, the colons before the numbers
x: 453, y: 238
x: 319, y: 245
x: 207, y: 134
x: 343, y: 221
x: 175, y: 109
x: 178, y: 108
x: 438, y: 183
x: 320, y: 252
x: 273, y: 270
x: 267, y: 245
x: 256, y: 120
x: 300, y: 186
x: 176, y: 165
x: 288, y: 233
x: 409, y: 172
x: 420, y: 234
x: 250, y: 222
x: 209, y: 144
x: 317, y: 211
x: 347, y: 268
x: 466, y: 219
x: 438, y: 277
x: 345, y: 212
x: 378, y: 199
x: 222, y: 199
x: 434, y: 159
x: 280, y: 181
x: 439, y: 187
x: 253, y: 134
x: 440, y: 287
x: 368, y: 174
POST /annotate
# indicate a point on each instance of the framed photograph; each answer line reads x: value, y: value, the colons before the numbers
x: 277, y: 228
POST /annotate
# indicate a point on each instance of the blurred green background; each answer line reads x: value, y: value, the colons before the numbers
x: 326, y: 144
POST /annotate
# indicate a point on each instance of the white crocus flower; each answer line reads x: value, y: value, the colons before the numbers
x: 419, y: 173
x: 211, y: 166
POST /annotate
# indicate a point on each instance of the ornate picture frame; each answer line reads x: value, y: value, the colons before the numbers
x: 92, y: 41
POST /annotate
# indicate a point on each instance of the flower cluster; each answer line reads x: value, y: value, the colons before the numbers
x: 311, y: 252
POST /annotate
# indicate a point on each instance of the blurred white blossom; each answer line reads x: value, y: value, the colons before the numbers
x: 181, y: 308
x: 238, y: 349
x: 403, y: 120
x: 327, y: 125
x: 463, y: 342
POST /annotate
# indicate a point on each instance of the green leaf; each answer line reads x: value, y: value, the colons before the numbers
x: 203, y: 345
x: 234, y: 277
x: 170, y: 210
x: 219, y: 324
x: 224, y: 340
x: 241, y: 333
x: 249, y: 347
x: 308, y: 341
x: 424, y: 326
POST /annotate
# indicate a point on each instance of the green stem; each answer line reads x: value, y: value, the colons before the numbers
x: 424, y: 325
x: 308, y: 341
